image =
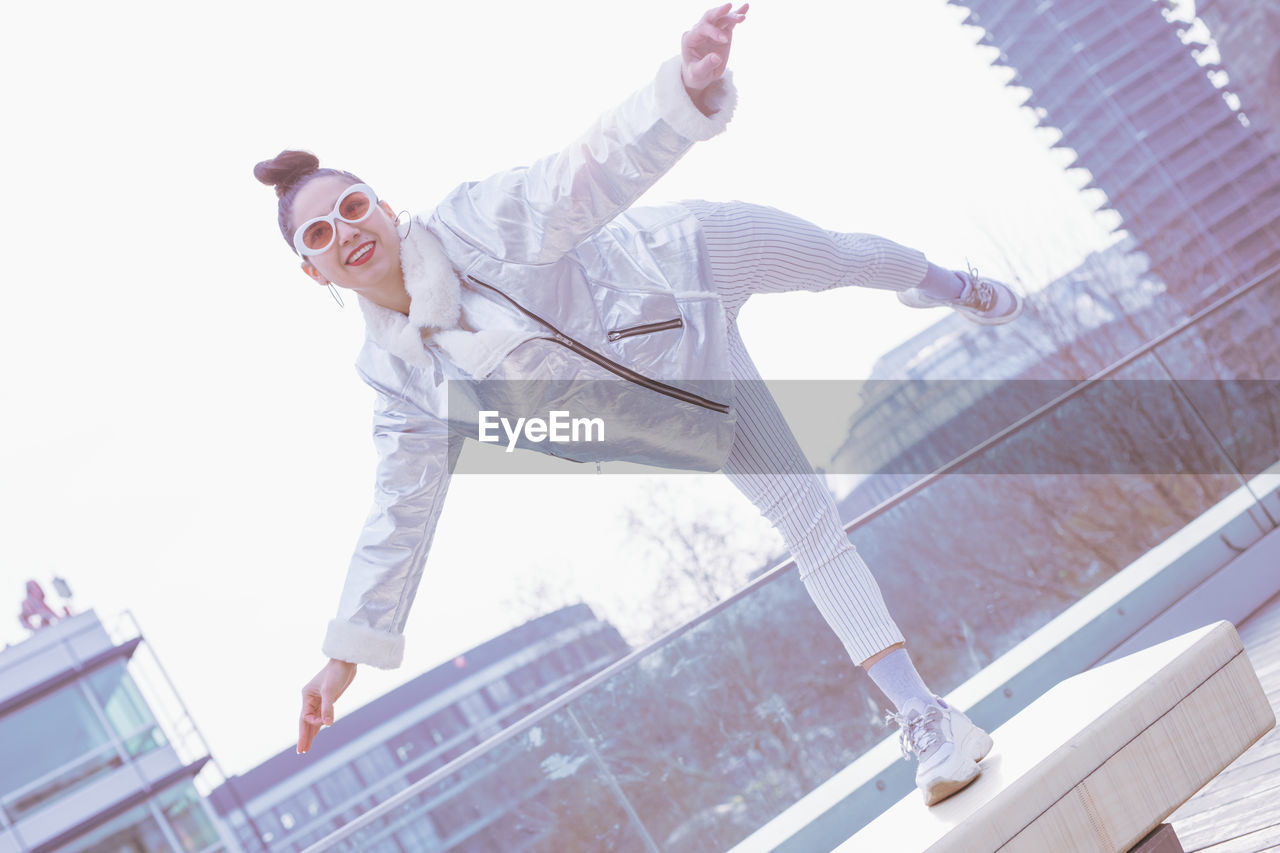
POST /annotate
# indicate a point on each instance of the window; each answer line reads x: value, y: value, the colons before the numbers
x: 577, y: 653
x: 547, y: 673
x: 338, y: 786
x: 524, y: 680
x: 447, y: 723
x: 411, y: 743
x: 499, y: 694
x: 269, y: 825
x: 377, y: 765
x: 135, y: 831
x: 125, y: 709
x: 190, y: 823
x: 52, y: 747
x: 303, y: 806
x: 418, y: 834
x: 473, y: 708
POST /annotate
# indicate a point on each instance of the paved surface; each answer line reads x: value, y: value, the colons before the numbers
x: 1239, y: 811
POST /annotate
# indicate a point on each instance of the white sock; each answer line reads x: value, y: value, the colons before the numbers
x: 942, y: 284
x: 897, y: 678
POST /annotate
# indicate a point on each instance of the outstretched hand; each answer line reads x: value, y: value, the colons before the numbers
x: 318, y: 698
x: 704, y: 50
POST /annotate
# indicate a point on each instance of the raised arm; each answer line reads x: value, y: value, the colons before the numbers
x: 704, y: 51
x: 538, y: 213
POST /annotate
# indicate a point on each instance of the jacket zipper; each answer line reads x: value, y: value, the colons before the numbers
x: 645, y: 328
x: 608, y: 363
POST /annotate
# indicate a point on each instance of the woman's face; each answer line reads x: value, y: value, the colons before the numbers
x: 364, y: 255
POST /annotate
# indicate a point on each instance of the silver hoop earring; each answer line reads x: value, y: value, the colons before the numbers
x: 407, y: 223
x: 337, y: 297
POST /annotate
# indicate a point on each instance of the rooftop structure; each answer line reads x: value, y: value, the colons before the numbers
x: 85, y: 767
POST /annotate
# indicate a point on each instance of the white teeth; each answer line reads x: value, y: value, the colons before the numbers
x: 364, y: 250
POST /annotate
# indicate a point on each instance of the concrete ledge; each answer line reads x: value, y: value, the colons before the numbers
x: 1100, y: 760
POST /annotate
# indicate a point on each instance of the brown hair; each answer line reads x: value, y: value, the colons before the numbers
x: 289, y: 171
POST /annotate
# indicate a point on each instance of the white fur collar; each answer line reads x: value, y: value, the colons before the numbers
x: 435, y: 298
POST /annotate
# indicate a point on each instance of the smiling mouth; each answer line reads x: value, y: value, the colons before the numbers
x: 362, y: 253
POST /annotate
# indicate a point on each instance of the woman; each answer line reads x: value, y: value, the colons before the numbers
x: 545, y: 275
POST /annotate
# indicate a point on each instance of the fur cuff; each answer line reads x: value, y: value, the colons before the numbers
x: 679, y: 111
x: 363, y: 645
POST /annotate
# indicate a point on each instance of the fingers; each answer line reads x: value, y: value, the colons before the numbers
x: 308, y: 722
x: 714, y: 29
x: 317, y: 712
x: 722, y: 18
x: 717, y: 12
x: 309, y: 725
x: 703, y: 39
x: 731, y: 20
x: 711, y: 32
x: 306, y: 734
x: 326, y: 707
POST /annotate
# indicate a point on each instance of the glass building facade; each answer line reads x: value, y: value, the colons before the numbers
x: 1247, y: 33
x: 1195, y: 184
x: 384, y: 747
x: 85, y: 766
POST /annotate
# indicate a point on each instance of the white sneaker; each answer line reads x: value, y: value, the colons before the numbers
x: 983, y: 300
x: 948, y: 745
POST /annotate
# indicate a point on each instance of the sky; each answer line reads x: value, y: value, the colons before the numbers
x: 184, y: 436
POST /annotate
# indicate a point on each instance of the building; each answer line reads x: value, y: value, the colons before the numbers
x: 1247, y: 33
x: 85, y: 767
x: 1195, y: 184
x: 401, y: 737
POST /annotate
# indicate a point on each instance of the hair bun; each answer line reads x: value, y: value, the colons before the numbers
x: 285, y: 169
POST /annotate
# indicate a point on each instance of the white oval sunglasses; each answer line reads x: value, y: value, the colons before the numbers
x: 317, y: 235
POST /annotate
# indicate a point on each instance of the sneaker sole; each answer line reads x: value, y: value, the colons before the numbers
x: 976, y: 746
x: 981, y: 320
x: 943, y: 788
x: 913, y: 299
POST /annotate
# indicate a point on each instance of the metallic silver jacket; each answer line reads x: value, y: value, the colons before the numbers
x: 631, y: 331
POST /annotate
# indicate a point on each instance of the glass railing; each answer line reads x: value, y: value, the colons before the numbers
x: 697, y: 740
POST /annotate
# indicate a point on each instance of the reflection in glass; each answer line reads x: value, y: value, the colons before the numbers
x: 52, y: 747
x: 1229, y: 366
x: 125, y: 709
x: 135, y: 831
x: 982, y: 558
x: 190, y: 823
x: 717, y: 732
x: 540, y: 791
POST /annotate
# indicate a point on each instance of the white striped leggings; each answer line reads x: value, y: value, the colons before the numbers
x: 754, y: 249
